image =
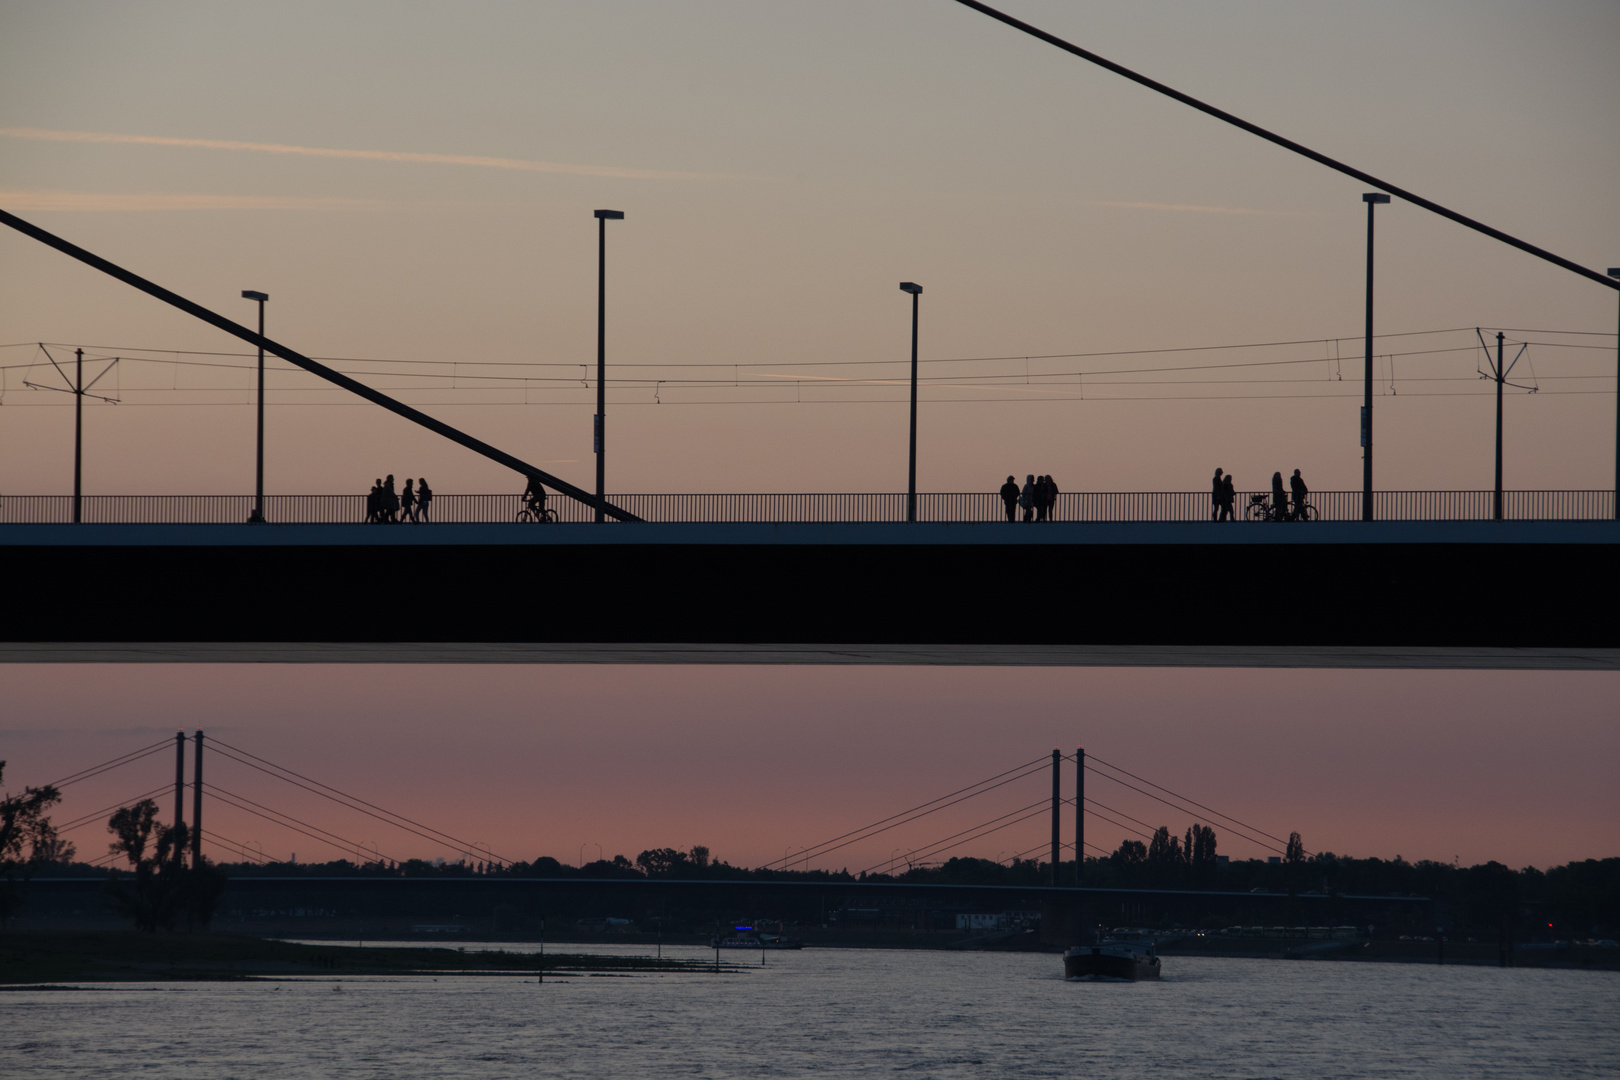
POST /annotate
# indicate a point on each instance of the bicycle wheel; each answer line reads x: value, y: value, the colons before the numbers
x: 525, y: 516
x: 548, y: 516
x: 1259, y: 511
x: 1308, y: 513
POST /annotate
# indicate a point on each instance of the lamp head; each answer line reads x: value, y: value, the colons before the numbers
x: 253, y: 294
x: 911, y: 287
x: 610, y: 215
x: 1375, y: 197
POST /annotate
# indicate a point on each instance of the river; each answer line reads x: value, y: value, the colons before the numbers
x: 838, y: 1013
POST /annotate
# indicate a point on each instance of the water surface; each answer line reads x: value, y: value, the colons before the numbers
x: 837, y: 1013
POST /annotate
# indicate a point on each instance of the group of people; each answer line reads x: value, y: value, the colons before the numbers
x: 385, y: 506
x: 1036, y: 498
x: 1223, y: 494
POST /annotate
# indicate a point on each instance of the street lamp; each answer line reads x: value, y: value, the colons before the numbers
x: 602, y: 218
x: 258, y: 473
x: 1372, y: 199
x: 911, y: 474
x: 1614, y: 272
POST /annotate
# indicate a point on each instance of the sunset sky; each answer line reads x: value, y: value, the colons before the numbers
x: 413, y: 184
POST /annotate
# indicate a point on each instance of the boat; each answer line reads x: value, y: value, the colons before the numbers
x: 756, y: 941
x: 1112, y: 961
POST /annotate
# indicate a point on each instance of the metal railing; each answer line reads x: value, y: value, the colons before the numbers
x: 809, y: 507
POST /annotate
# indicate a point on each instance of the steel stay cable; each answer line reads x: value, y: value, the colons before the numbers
x: 80, y: 822
x: 454, y: 844
x: 221, y: 792
x: 1287, y: 144
x: 342, y: 844
x: 817, y: 848
x: 113, y: 763
x: 241, y: 849
x: 1090, y: 758
x: 935, y: 846
x: 928, y: 852
x: 1191, y: 814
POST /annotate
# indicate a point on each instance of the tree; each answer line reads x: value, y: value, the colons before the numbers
x: 27, y: 840
x: 699, y: 856
x: 1130, y: 853
x: 163, y: 890
x: 662, y: 862
x: 1200, y: 851
x: 1295, y: 853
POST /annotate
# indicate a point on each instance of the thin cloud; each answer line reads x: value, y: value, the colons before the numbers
x: 1182, y: 208
x: 117, y: 201
x: 518, y: 164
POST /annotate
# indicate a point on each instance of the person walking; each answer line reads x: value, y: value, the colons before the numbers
x: 1217, y: 497
x: 424, y: 496
x: 1228, y: 498
x: 1026, y: 497
x: 1009, y: 498
x: 1051, y: 497
x: 407, y: 502
x: 1297, y: 483
x: 390, y: 501
x: 374, y: 503
x: 1279, y: 500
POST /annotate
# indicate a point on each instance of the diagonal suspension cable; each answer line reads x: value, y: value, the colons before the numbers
x: 936, y: 846
x: 866, y: 831
x: 360, y: 389
x: 329, y: 838
x: 1092, y: 757
x: 122, y: 759
x: 338, y: 796
x: 1287, y: 144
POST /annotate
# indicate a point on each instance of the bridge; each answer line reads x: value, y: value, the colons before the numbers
x: 371, y: 891
x: 1431, y: 594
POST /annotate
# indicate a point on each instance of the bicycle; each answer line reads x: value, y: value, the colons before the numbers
x: 536, y: 514
x: 1260, y: 509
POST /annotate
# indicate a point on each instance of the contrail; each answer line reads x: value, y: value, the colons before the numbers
x: 519, y: 164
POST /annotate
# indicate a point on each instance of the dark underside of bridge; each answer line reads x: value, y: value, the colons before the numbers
x: 1431, y: 594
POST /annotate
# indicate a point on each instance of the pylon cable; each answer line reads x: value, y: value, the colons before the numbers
x: 329, y: 838
x: 122, y: 759
x: 460, y: 846
x: 1090, y: 758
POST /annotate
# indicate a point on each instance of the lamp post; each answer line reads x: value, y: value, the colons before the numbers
x: 258, y: 470
x: 78, y: 436
x: 1614, y: 272
x: 602, y: 218
x: 1372, y: 199
x: 911, y: 472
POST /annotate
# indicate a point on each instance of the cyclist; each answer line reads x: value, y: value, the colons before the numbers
x: 1297, y: 483
x: 534, y: 497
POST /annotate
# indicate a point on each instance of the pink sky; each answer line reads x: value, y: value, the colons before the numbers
x: 417, y: 185
x: 750, y: 761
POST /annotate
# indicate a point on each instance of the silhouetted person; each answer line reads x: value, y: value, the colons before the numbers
x: 1026, y: 497
x: 534, y: 497
x: 1051, y: 498
x: 1229, y: 502
x: 424, y: 496
x: 1217, y: 497
x: 1297, y: 483
x: 1279, y: 501
x: 374, y: 502
x: 1009, y: 497
x: 390, y: 501
x: 407, y: 502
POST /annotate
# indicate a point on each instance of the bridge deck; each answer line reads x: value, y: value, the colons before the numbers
x: 1519, y: 594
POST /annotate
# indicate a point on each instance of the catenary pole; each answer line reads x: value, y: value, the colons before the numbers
x: 297, y: 359
x: 1372, y: 199
x: 600, y: 432
x: 1614, y: 272
x: 78, y: 435
x: 911, y: 461
x: 1496, y: 504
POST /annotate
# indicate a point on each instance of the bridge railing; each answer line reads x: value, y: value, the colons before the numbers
x: 808, y: 507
